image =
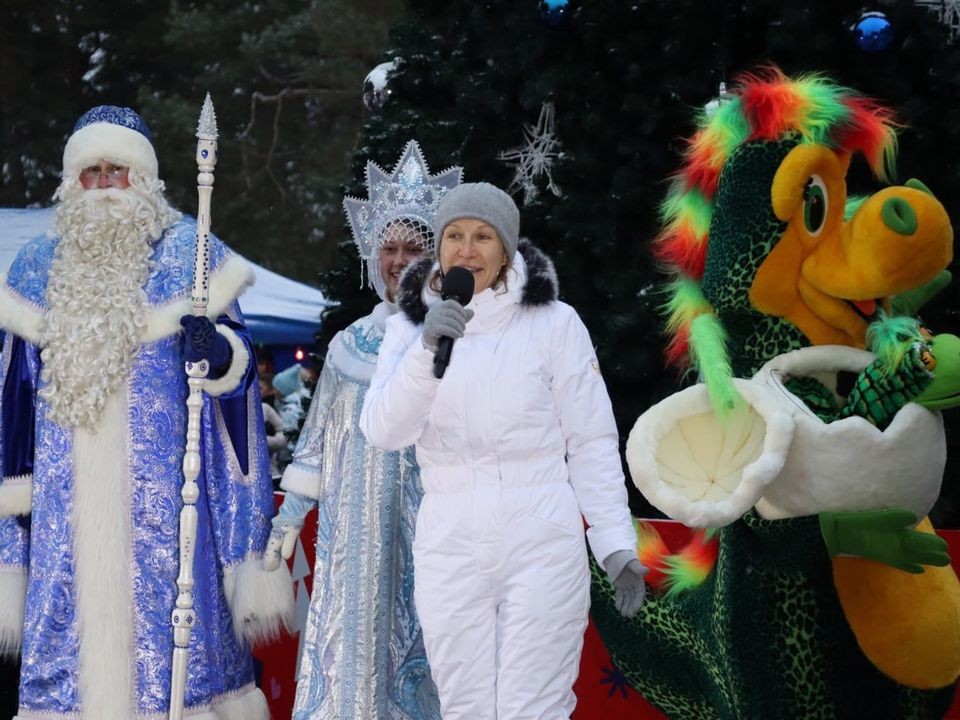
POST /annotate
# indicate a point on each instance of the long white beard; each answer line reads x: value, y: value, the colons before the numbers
x: 95, y: 295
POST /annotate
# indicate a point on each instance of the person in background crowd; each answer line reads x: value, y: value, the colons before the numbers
x: 265, y: 361
x: 292, y: 385
x: 273, y: 424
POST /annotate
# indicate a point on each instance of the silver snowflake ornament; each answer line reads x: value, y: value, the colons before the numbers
x: 947, y: 12
x: 536, y: 157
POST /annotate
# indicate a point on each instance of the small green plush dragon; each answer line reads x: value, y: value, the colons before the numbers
x: 901, y: 373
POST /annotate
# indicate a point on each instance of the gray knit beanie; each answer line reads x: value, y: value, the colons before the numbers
x: 482, y: 201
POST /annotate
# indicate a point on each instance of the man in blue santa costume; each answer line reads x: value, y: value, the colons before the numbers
x: 92, y: 434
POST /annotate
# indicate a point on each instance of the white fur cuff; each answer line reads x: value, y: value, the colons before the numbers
x: 238, y: 365
x: 301, y: 480
x: 17, y: 315
x: 226, y: 285
x: 261, y: 601
x: 16, y: 496
x: 13, y: 595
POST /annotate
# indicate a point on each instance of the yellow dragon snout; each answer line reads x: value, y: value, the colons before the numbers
x: 898, y: 239
x: 827, y: 274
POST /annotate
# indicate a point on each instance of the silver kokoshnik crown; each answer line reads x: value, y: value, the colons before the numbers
x: 408, y: 197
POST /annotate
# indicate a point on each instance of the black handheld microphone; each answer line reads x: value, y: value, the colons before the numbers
x: 457, y: 285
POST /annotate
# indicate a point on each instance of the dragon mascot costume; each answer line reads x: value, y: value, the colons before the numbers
x: 819, y: 589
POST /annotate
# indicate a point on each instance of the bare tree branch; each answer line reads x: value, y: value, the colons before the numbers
x: 258, y: 97
x: 273, y: 142
x: 248, y: 153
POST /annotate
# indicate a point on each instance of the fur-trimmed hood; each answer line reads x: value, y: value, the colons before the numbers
x: 540, y: 288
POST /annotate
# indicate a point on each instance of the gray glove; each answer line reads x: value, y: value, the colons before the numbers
x: 626, y: 573
x: 445, y: 319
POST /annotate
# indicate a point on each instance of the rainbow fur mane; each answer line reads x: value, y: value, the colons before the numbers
x: 765, y: 107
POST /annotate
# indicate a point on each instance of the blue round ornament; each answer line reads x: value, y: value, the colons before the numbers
x: 873, y: 32
x: 554, y: 12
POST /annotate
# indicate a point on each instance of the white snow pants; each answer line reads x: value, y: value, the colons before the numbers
x: 502, y: 590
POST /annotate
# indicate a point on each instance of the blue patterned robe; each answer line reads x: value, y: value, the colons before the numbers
x: 363, y: 655
x: 38, y: 538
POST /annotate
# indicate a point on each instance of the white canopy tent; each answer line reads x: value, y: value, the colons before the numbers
x: 278, y: 311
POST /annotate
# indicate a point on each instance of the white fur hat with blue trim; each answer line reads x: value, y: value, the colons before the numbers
x: 115, y: 134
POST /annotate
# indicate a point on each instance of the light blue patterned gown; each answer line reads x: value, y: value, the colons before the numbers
x: 363, y: 656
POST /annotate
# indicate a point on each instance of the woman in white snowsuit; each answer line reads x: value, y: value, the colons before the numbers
x: 514, y: 443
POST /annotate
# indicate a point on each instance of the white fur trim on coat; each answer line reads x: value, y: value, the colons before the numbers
x: 239, y: 360
x: 16, y: 496
x: 261, y: 601
x: 705, y: 471
x: 226, y: 285
x: 100, y: 520
x: 13, y: 597
x: 114, y: 143
x: 17, y: 315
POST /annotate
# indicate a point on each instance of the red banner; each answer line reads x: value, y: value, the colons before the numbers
x: 602, y: 692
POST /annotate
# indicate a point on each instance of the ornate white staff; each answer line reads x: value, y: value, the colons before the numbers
x: 183, y: 616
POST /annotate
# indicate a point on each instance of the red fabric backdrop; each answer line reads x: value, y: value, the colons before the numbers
x: 601, y: 691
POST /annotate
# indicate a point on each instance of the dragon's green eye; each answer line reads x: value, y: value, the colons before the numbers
x: 815, y: 204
